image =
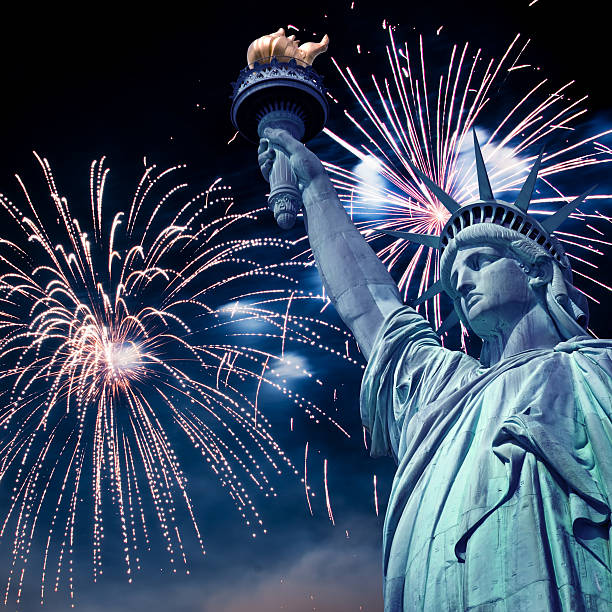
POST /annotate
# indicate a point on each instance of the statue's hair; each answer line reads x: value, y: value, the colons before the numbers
x: 566, y: 305
x: 517, y: 245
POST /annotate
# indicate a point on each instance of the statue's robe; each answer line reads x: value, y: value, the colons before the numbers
x: 501, y: 500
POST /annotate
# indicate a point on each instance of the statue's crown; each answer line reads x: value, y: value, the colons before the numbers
x: 513, y: 216
x: 487, y: 209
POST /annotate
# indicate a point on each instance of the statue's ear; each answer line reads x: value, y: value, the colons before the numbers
x: 541, y: 272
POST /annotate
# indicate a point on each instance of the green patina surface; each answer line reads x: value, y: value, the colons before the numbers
x: 501, y: 500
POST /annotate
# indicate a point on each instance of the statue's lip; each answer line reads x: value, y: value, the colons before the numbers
x: 471, y: 296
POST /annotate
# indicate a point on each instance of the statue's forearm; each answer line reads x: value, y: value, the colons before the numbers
x: 357, y: 282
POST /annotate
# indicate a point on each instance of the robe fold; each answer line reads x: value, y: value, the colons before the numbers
x: 501, y: 499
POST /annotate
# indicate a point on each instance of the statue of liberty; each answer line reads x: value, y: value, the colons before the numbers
x: 501, y: 499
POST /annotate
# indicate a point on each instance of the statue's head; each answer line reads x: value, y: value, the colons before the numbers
x: 496, y: 275
x: 498, y: 262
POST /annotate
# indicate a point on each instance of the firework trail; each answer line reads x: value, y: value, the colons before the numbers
x: 124, y: 337
x: 410, y: 118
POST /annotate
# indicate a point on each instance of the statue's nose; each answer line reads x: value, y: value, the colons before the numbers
x: 465, y: 281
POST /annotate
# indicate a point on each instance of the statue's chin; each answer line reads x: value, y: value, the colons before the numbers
x: 483, y: 321
x: 473, y: 313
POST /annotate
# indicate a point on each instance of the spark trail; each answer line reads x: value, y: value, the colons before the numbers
x: 122, y: 338
x: 408, y: 117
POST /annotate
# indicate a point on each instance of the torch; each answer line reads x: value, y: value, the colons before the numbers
x: 280, y: 89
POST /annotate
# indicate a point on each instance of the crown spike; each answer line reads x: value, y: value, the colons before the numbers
x: 427, y: 240
x: 524, y: 196
x: 554, y: 221
x: 448, y: 323
x: 444, y: 198
x: 484, y: 186
x: 431, y: 291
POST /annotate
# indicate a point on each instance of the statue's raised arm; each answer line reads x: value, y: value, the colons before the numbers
x: 356, y: 281
x: 502, y: 499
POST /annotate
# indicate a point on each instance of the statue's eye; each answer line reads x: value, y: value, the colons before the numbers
x: 483, y: 260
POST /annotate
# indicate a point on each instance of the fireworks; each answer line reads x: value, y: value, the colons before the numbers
x: 125, y: 338
x: 411, y: 119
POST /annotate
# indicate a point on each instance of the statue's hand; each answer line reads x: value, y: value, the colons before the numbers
x: 304, y: 163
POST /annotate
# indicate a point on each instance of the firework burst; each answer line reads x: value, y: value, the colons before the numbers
x: 408, y: 119
x: 124, y: 337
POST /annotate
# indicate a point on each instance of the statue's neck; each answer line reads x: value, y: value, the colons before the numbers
x: 533, y: 330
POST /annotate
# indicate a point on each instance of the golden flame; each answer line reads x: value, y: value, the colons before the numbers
x: 284, y: 48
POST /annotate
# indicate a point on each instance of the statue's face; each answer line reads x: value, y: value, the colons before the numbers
x: 493, y: 289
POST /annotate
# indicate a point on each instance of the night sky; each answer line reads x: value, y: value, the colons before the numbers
x: 130, y: 82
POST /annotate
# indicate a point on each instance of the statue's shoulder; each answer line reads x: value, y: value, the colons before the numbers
x: 584, y: 343
x: 597, y: 351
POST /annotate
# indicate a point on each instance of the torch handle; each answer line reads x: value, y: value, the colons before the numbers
x: 284, y: 199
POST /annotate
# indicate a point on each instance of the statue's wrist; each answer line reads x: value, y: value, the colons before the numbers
x: 320, y: 188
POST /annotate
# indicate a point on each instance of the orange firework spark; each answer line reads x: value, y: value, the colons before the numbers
x: 102, y: 373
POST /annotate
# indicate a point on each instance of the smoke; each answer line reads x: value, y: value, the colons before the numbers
x: 503, y: 166
x: 336, y: 576
x: 328, y: 578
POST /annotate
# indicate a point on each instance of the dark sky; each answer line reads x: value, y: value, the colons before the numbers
x: 153, y: 81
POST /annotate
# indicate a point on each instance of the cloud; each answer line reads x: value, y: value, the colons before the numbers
x: 368, y: 170
x: 374, y: 184
x: 329, y: 578
x: 335, y: 576
x: 290, y: 365
x: 503, y: 166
